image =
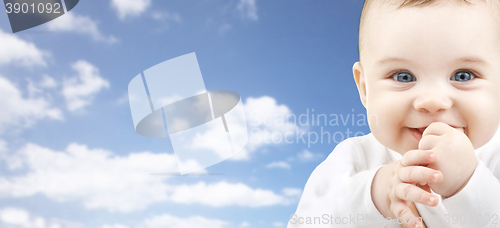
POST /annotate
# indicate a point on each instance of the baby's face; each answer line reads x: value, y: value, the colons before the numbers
x: 423, y: 65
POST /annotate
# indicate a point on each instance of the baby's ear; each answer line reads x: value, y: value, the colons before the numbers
x: 359, y: 77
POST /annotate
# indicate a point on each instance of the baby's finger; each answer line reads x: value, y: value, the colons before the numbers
x: 415, y: 194
x: 403, y: 214
x: 436, y: 128
x: 428, y: 142
x: 419, y: 174
x: 418, y: 157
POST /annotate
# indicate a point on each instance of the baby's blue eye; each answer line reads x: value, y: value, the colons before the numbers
x: 462, y: 76
x: 404, y: 77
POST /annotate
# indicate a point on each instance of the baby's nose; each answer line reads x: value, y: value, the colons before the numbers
x: 432, y: 102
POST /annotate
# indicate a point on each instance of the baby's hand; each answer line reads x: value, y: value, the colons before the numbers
x: 393, y: 188
x: 455, y: 157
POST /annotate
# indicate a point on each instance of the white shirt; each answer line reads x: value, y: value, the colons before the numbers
x: 338, y: 192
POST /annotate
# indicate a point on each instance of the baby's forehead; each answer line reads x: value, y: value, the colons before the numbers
x: 379, y: 5
x: 392, y: 10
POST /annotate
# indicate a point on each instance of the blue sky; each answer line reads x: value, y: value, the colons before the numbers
x: 69, y: 154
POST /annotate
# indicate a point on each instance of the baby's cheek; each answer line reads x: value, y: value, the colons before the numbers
x: 386, y: 123
x: 479, y: 136
x: 390, y: 136
x: 482, y: 127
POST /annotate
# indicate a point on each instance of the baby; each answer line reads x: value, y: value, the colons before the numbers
x: 429, y: 78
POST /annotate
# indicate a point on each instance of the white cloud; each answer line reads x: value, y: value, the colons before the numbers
x: 248, y: 9
x: 268, y: 124
x: 130, y: 8
x: 79, y: 90
x: 48, y: 82
x: 14, y: 216
x: 114, y: 226
x: 280, y: 164
x: 19, y: 218
x: 3, y: 146
x: 72, y: 22
x: 244, y: 225
x: 101, y: 180
x: 20, y: 52
x: 307, y: 155
x: 165, y: 18
x: 95, y: 176
x: 11, y: 217
x: 20, y: 111
x: 226, y: 194
x: 278, y: 224
x: 296, y: 192
x: 169, y: 221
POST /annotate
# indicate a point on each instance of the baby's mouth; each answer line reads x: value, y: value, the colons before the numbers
x: 417, y: 132
x: 421, y: 130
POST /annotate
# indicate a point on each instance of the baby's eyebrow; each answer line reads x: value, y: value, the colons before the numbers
x: 472, y: 59
x: 469, y: 59
x: 391, y: 59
